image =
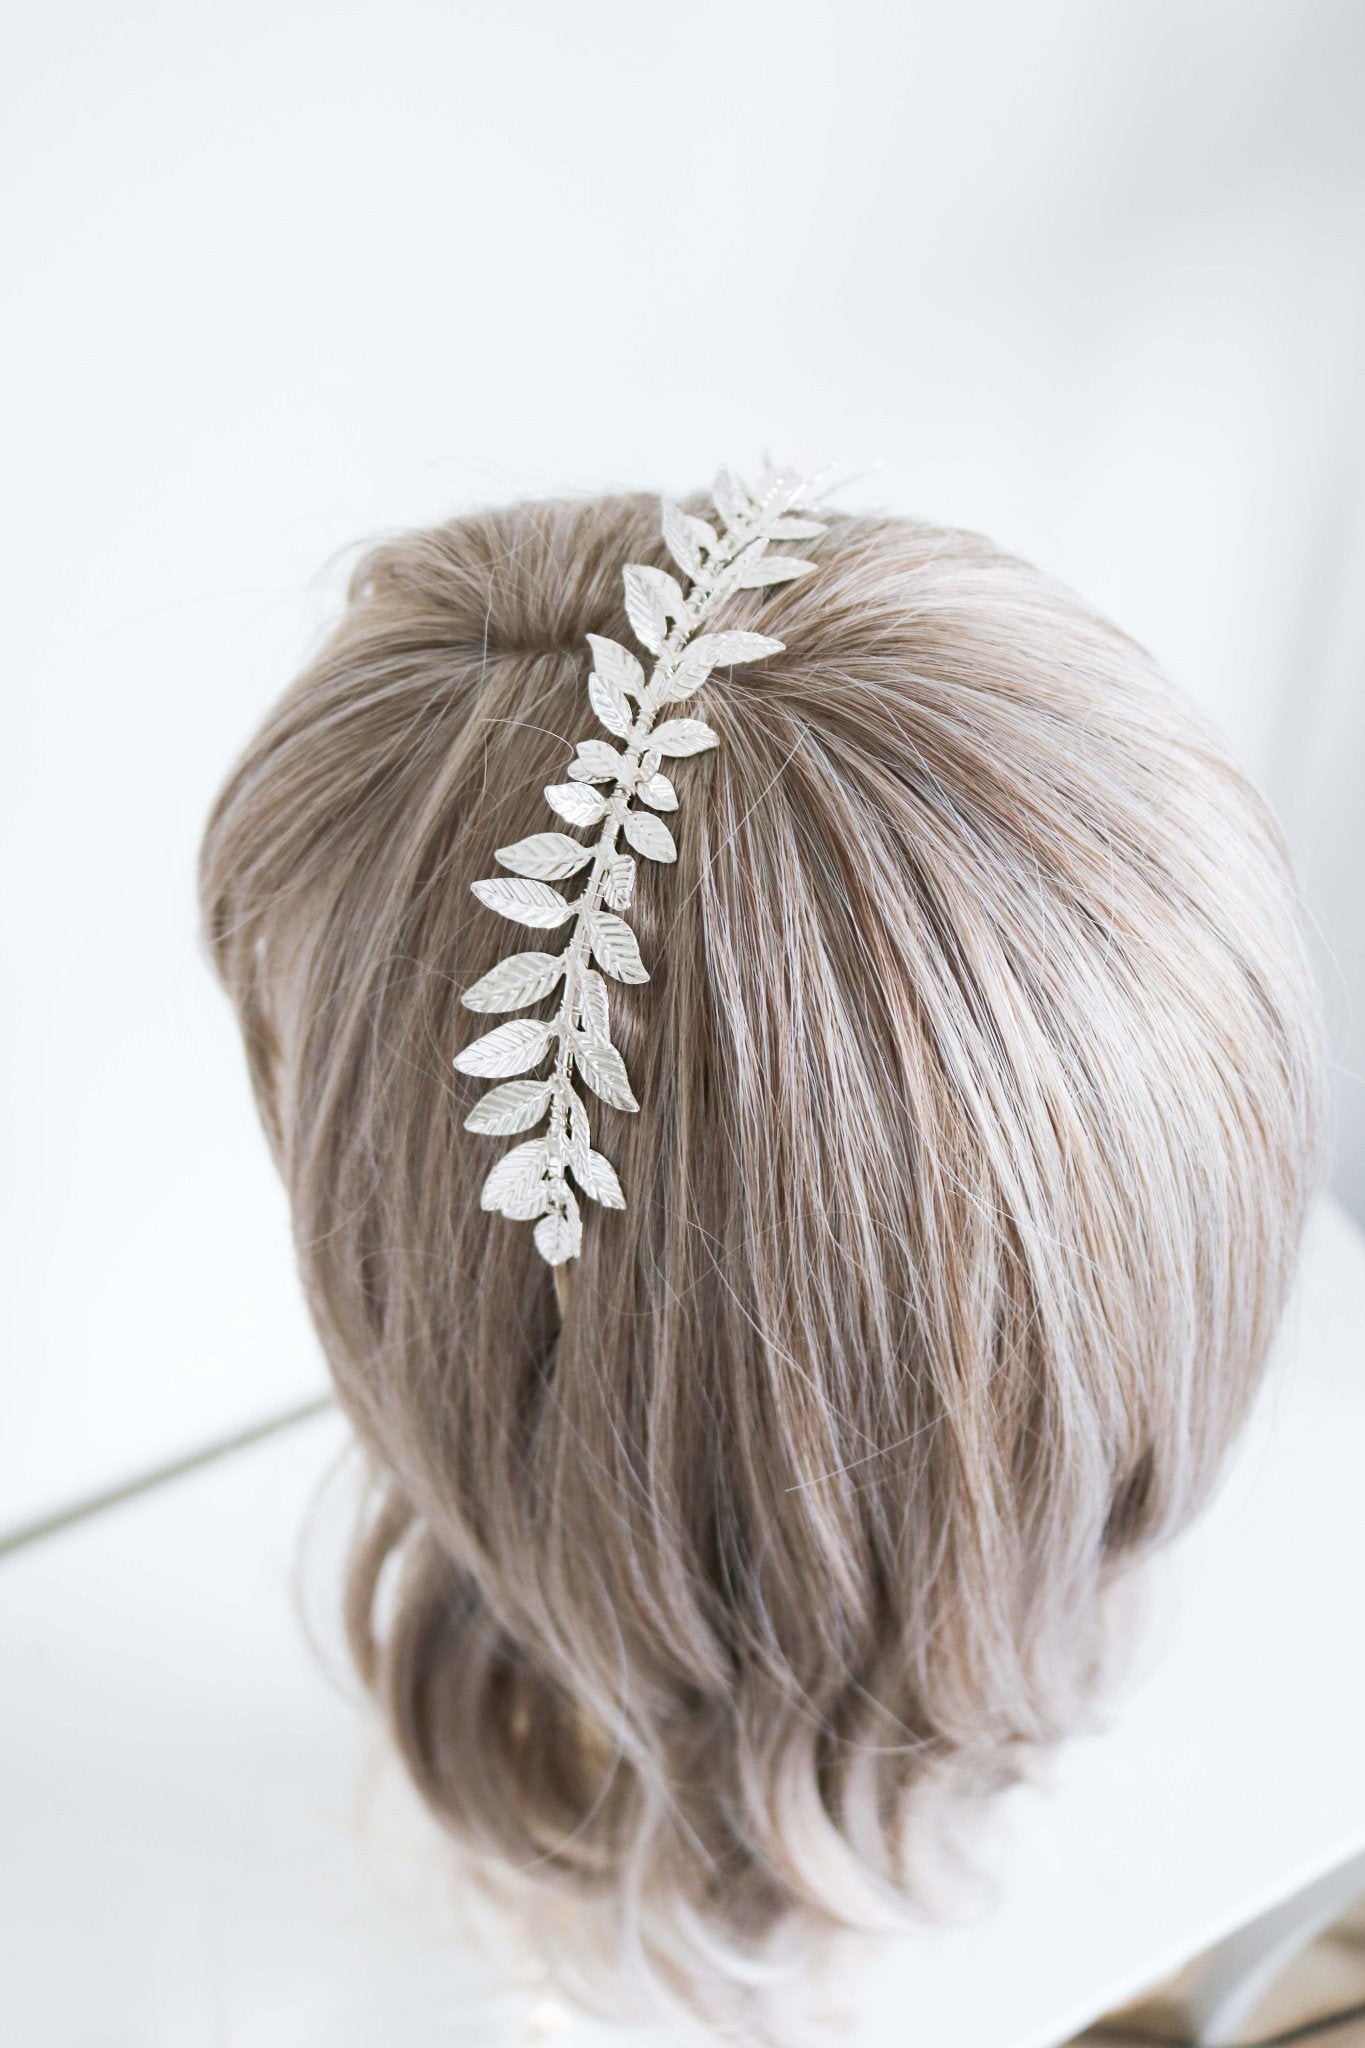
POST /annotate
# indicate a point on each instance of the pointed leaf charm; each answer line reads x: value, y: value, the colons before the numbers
x: 580, y: 1135
x: 576, y: 801
x: 559, y: 1236
x: 683, y: 736
x: 730, y: 497
x: 515, y: 1106
x: 510, y: 1049
x: 680, y: 540
x: 531, y: 1183
x: 593, y: 1005
x: 653, y: 597
x: 519, y: 979
x: 659, y: 793
x: 516, y: 1185
x: 620, y: 885
x: 597, y: 1177
x: 616, y: 664
x: 531, y: 903
x: 718, y: 650
x: 595, y: 761
x: 796, y: 529
x: 604, y: 1071
x: 614, y: 946
x: 758, y: 574
x: 548, y: 855
x: 608, y: 700
x: 649, y: 835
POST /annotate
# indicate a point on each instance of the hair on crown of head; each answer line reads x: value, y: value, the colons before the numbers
x: 620, y: 791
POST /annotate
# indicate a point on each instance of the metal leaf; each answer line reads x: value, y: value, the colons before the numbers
x: 530, y: 903
x: 614, y: 946
x: 595, y: 761
x: 653, y: 597
x: 703, y: 533
x: 682, y: 736
x: 731, y: 497
x: 758, y: 574
x: 519, y: 979
x: 795, y: 529
x: 620, y: 884
x: 576, y: 802
x: 509, y: 1049
x: 579, y: 1133
x: 649, y: 835
x: 715, y: 650
x: 547, y: 855
x: 514, y: 1106
x: 597, y: 1177
x: 679, y: 538
x: 592, y: 1006
x: 559, y: 1236
x: 516, y: 1186
x: 604, y: 1071
x: 617, y: 664
x: 610, y: 703
x: 659, y: 793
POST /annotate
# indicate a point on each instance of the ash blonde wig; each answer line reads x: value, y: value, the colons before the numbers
x: 982, y: 1097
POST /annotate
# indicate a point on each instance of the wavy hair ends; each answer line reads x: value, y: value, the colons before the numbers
x: 981, y: 1074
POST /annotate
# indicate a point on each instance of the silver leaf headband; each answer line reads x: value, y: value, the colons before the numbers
x: 531, y: 1182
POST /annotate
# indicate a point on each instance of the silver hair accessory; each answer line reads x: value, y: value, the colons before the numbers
x: 531, y: 1182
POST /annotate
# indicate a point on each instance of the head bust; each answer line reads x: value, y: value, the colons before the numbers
x: 981, y: 1099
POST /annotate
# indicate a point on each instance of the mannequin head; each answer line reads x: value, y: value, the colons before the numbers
x: 981, y: 1088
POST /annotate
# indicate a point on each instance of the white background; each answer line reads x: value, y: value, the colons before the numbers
x: 1090, y: 277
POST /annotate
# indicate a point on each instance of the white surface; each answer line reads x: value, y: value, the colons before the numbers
x: 199, y: 1851
x: 1089, y: 278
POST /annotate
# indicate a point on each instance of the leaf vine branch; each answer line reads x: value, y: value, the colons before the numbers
x: 621, y: 791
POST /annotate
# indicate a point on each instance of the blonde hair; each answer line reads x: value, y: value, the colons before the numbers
x: 982, y: 1082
